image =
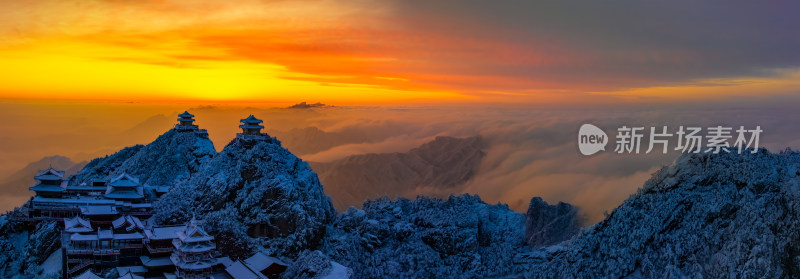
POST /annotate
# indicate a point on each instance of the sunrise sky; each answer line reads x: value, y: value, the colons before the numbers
x: 85, y: 78
x: 377, y: 52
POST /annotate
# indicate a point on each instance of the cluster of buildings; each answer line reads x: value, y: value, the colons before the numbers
x: 107, y: 226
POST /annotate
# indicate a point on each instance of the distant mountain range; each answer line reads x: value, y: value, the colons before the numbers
x: 441, y: 164
x: 310, y: 140
x: 17, y: 183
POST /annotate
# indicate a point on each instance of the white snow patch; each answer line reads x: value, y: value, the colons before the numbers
x: 338, y: 271
x: 52, y: 265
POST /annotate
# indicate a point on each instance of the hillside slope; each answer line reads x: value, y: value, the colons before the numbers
x: 258, y: 193
x: 706, y: 216
x: 171, y: 158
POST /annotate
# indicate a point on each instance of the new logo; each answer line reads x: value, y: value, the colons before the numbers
x: 591, y: 139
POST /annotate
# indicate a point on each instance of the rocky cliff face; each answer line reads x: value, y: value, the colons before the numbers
x: 173, y: 157
x: 444, y: 163
x: 706, y: 216
x: 257, y: 191
x: 550, y: 224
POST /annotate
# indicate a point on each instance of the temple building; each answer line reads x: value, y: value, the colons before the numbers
x: 100, y: 204
x: 53, y: 201
x: 127, y: 224
x: 100, y: 250
x: 96, y: 188
x: 49, y: 183
x: 251, y: 126
x: 158, y: 243
x: 258, y: 266
x: 185, y: 121
x: 125, y: 188
x: 195, y: 253
x: 77, y: 225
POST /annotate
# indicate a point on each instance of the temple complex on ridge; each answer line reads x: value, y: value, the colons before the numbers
x: 107, y: 226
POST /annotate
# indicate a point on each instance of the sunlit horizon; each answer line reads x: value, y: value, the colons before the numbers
x: 381, y: 53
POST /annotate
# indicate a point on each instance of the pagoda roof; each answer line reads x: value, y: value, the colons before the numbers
x: 251, y: 120
x: 130, y: 223
x: 252, y: 266
x: 163, y: 233
x: 186, y: 114
x: 194, y: 247
x: 251, y: 126
x: 239, y: 270
x: 46, y: 188
x: 77, y: 225
x: 130, y: 275
x: 260, y: 261
x: 194, y: 237
x: 49, y: 177
x: 194, y: 233
x: 50, y: 174
x: 124, y: 180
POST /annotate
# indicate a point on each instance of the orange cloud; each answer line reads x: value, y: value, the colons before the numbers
x: 361, y: 52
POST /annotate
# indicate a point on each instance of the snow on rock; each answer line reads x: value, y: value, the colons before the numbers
x: 550, y: 224
x: 44, y: 241
x: 258, y: 192
x: 309, y: 264
x: 52, y: 265
x: 338, y: 271
x: 706, y: 216
x: 173, y: 157
x: 461, y: 237
x: 13, y: 251
x: 316, y: 265
x: 24, y: 255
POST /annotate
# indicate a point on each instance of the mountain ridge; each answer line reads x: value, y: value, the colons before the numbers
x: 707, y: 215
x: 169, y: 159
x: 254, y: 188
x: 444, y: 163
